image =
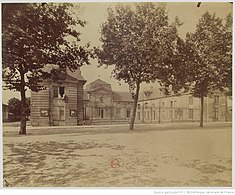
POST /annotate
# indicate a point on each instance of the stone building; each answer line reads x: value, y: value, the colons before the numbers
x: 103, y: 105
x: 154, y: 107
x: 61, y: 103
x: 5, y: 112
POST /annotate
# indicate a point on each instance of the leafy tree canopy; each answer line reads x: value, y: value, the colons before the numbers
x: 14, y: 106
x: 36, y: 35
x: 139, y: 41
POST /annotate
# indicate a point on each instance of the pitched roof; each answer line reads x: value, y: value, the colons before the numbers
x: 122, y: 96
x: 76, y: 74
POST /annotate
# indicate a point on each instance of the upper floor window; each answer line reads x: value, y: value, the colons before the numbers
x: 190, y: 100
x: 101, y: 99
x: 59, y: 91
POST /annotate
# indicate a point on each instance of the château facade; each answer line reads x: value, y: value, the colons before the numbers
x: 103, y: 105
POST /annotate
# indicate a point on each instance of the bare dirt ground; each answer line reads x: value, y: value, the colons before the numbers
x: 167, y: 155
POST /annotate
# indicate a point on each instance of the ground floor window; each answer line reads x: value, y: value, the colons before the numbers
x: 73, y: 113
x: 101, y: 112
x: 190, y: 114
x: 128, y: 112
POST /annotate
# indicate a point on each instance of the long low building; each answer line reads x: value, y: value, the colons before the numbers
x: 154, y: 107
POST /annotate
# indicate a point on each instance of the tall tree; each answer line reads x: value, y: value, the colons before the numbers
x: 34, y: 35
x: 207, y: 58
x: 137, y: 41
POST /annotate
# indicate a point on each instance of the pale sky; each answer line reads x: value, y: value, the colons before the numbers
x: 96, y: 13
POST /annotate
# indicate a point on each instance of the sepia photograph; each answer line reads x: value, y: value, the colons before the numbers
x: 117, y: 94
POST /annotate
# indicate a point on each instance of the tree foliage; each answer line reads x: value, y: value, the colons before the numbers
x: 34, y: 35
x: 139, y: 41
x: 207, y: 58
x: 212, y: 60
x: 14, y: 106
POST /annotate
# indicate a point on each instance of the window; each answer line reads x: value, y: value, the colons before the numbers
x: 101, y: 99
x: 154, y: 115
x: 101, y: 112
x: 138, y: 106
x: 44, y: 113
x: 148, y: 115
x: 55, y: 91
x: 138, y: 115
x: 171, y: 104
x: 162, y: 103
x: 59, y: 91
x: 163, y: 114
x: 118, y: 112
x: 128, y: 112
x: 190, y: 114
x: 190, y: 100
x: 146, y: 105
x: 73, y: 113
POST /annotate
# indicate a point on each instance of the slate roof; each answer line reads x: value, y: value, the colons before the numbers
x: 122, y: 96
x: 99, y: 84
x: 49, y: 67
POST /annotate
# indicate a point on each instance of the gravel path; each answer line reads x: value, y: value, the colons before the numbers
x: 117, y: 157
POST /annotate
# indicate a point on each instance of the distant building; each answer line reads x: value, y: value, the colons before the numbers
x: 5, y: 112
x: 61, y: 103
x: 103, y: 105
x: 154, y: 107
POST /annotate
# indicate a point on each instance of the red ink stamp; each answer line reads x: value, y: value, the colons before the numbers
x: 115, y: 163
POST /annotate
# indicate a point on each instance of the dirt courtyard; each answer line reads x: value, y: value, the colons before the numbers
x: 167, y: 155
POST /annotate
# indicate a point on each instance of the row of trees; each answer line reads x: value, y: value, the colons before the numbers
x: 139, y: 42
x: 143, y: 47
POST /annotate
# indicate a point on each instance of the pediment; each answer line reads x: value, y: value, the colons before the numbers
x: 101, y: 90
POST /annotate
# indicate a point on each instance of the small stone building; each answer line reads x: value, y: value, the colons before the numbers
x: 61, y: 103
x: 5, y: 112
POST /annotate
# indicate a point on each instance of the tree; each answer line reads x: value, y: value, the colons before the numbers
x: 138, y: 43
x: 33, y: 36
x: 14, y: 105
x: 207, y: 59
x: 226, y: 70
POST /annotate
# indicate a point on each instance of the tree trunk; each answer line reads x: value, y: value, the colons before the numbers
x: 23, y: 113
x: 226, y: 108
x: 202, y: 109
x: 23, y: 106
x: 135, y: 106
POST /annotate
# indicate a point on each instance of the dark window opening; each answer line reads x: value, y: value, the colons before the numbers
x: 128, y: 113
x: 61, y: 92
